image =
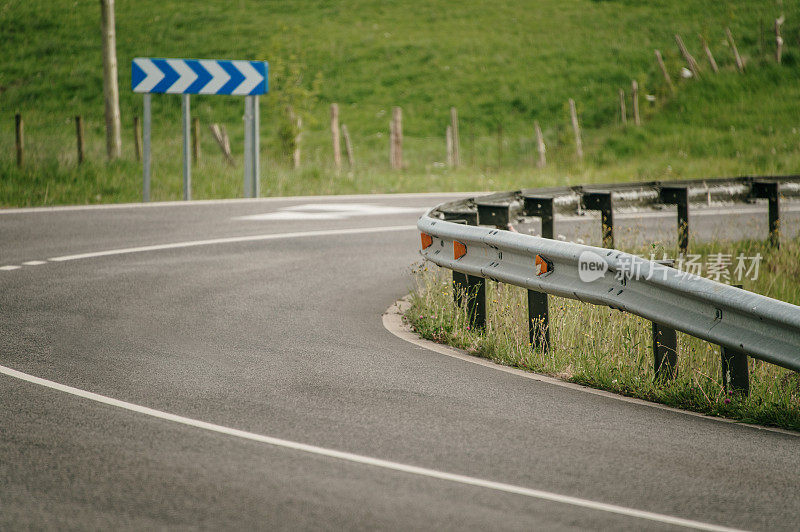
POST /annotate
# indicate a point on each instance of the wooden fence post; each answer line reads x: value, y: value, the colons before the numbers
x: 20, y: 139
x: 576, y: 129
x: 739, y: 62
x: 499, y: 145
x: 195, y: 140
x: 456, y: 143
x: 348, y: 146
x: 709, y: 55
x: 778, y: 39
x: 540, y: 145
x: 635, y: 97
x: 686, y: 55
x: 449, y: 143
x: 110, y: 82
x: 622, y: 111
x: 221, y: 136
x: 392, y: 144
x: 664, y: 72
x: 297, y: 140
x: 337, y: 151
x: 137, y: 139
x: 397, y: 138
x: 79, y: 135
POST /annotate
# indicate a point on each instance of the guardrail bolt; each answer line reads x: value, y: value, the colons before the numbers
x: 735, y: 372
x: 665, y: 351
x: 538, y: 320
x: 543, y: 208
x: 770, y: 190
x: 679, y: 196
x: 601, y: 201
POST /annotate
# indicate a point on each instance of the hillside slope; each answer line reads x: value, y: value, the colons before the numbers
x: 501, y: 64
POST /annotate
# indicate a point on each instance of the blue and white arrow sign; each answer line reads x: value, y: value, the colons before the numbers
x: 198, y: 76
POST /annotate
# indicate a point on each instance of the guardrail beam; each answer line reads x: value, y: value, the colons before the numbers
x: 601, y: 201
x: 770, y: 190
x: 678, y: 196
x: 542, y: 207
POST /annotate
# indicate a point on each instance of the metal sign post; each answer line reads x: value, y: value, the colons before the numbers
x: 187, y: 156
x: 146, y: 149
x: 202, y: 76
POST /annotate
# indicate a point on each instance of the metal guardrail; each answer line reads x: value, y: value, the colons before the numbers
x: 742, y: 322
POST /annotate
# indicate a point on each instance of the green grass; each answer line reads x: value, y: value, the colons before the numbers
x: 509, y: 63
x: 607, y: 349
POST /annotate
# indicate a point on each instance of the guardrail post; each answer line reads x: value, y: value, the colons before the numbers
x: 538, y: 320
x: 665, y: 351
x: 476, y: 295
x: 494, y: 214
x: 601, y: 201
x: 476, y: 301
x: 543, y: 208
x: 735, y: 372
x: 679, y: 196
x: 770, y: 191
x: 459, y: 279
x: 665, y: 344
x: 538, y: 307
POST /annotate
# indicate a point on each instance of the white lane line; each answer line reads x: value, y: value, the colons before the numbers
x: 34, y: 263
x: 9, y: 267
x: 233, y: 240
x: 366, y: 460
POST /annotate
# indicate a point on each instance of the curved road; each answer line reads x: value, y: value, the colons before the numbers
x: 224, y: 364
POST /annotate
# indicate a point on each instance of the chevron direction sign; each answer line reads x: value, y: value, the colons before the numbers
x: 198, y: 76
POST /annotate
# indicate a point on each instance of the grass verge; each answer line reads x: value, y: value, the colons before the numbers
x: 610, y: 350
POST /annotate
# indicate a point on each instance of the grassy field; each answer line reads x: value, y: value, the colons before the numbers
x: 607, y: 349
x: 500, y: 64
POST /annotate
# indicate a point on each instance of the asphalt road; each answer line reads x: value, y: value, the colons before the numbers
x: 263, y: 318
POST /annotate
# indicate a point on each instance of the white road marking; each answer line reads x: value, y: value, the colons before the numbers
x: 237, y: 201
x: 34, y: 263
x: 329, y: 211
x: 369, y: 461
x: 9, y: 268
x: 232, y: 240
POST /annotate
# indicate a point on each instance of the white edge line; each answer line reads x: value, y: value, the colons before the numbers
x: 231, y: 240
x: 393, y: 322
x: 237, y: 201
x: 366, y: 460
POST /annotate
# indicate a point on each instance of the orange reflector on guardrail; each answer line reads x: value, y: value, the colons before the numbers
x: 543, y: 265
x: 427, y: 240
x: 459, y: 249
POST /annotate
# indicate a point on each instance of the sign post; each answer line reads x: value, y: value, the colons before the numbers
x: 202, y: 76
